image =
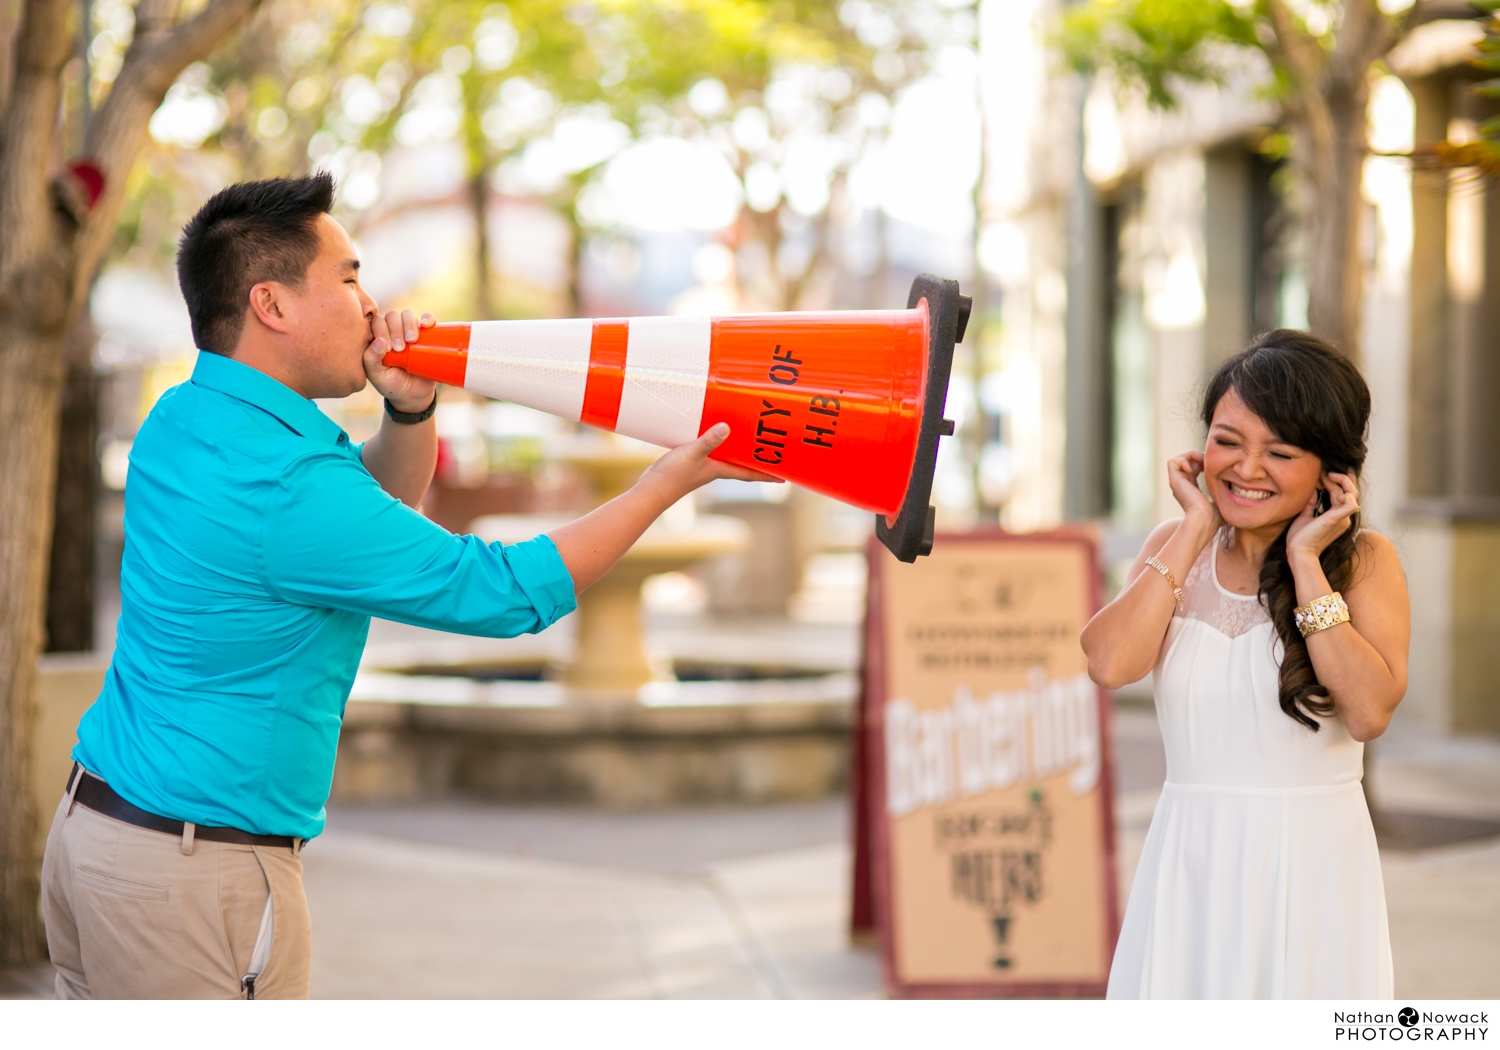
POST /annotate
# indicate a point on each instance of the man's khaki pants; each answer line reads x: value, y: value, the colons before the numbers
x: 139, y: 914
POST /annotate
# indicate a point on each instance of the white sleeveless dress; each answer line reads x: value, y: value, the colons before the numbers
x: 1260, y: 877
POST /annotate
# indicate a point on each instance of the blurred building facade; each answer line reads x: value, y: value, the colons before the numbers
x: 1137, y: 249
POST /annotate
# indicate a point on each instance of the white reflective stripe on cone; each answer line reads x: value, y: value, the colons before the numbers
x: 666, y: 376
x: 539, y: 364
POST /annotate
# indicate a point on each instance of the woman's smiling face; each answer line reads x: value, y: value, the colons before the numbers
x: 1255, y: 478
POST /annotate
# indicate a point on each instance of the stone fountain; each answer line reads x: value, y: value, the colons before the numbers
x: 611, y: 660
x: 763, y: 718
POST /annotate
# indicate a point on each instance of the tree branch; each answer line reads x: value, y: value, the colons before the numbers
x: 10, y: 24
x: 42, y: 47
x: 1363, y: 37
x: 1424, y: 11
x: 157, y: 55
x: 1303, y: 60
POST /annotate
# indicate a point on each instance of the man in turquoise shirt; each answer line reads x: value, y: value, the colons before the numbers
x: 258, y: 543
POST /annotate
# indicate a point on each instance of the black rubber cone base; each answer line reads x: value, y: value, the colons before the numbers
x: 910, y: 536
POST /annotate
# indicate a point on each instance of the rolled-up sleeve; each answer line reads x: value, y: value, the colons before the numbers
x: 334, y: 539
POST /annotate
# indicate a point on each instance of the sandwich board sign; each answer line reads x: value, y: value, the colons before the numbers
x: 986, y: 768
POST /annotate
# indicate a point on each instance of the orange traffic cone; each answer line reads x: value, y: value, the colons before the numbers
x: 849, y: 404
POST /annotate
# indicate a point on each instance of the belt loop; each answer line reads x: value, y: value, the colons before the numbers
x: 73, y: 782
x: 297, y: 846
x: 188, y: 830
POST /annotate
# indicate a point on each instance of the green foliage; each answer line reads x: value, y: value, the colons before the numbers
x: 1489, y: 60
x: 1155, y: 44
x: 1485, y: 153
x: 658, y: 51
x: 339, y: 83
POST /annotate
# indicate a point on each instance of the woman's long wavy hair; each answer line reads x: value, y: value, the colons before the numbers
x: 1310, y: 396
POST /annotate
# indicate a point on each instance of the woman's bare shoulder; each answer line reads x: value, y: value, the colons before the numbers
x: 1376, y: 558
x: 1158, y: 537
x: 1372, y: 544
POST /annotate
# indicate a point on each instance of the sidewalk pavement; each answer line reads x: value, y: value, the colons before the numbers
x: 394, y: 919
x: 1444, y: 899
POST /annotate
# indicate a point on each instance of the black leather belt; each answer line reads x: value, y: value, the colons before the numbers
x: 101, y: 798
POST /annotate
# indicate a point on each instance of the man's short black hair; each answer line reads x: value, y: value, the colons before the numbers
x: 247, y: 233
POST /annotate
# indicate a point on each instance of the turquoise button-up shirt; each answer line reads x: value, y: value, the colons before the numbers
x: 257, y: 547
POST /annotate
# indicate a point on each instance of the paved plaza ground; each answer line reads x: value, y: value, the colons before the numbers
x: 463, y: 898
x: 466, y: 899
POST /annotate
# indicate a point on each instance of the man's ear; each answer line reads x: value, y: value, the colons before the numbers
x: 268, y: 302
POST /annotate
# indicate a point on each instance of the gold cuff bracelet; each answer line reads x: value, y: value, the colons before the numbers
x: 1321, y: 614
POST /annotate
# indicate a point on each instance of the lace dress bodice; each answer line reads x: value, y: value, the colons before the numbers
x: 1206, y: 600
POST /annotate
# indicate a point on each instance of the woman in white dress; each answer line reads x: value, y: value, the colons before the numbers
x: 1283, y: 650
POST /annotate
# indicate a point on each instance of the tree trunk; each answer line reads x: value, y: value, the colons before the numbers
x: 70, y: 574
x: 36, y: 273
x: 796, y: 285
x: 576, y: 243
x: 47, y: 262
x: 1334, y: 270
x: 479, y: 200
x: 31, y: 365
x: 762, y: 228
x: 1328, y: 102
x: 880, y: 275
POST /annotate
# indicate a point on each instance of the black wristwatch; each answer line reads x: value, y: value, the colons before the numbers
x: 411, y: 417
